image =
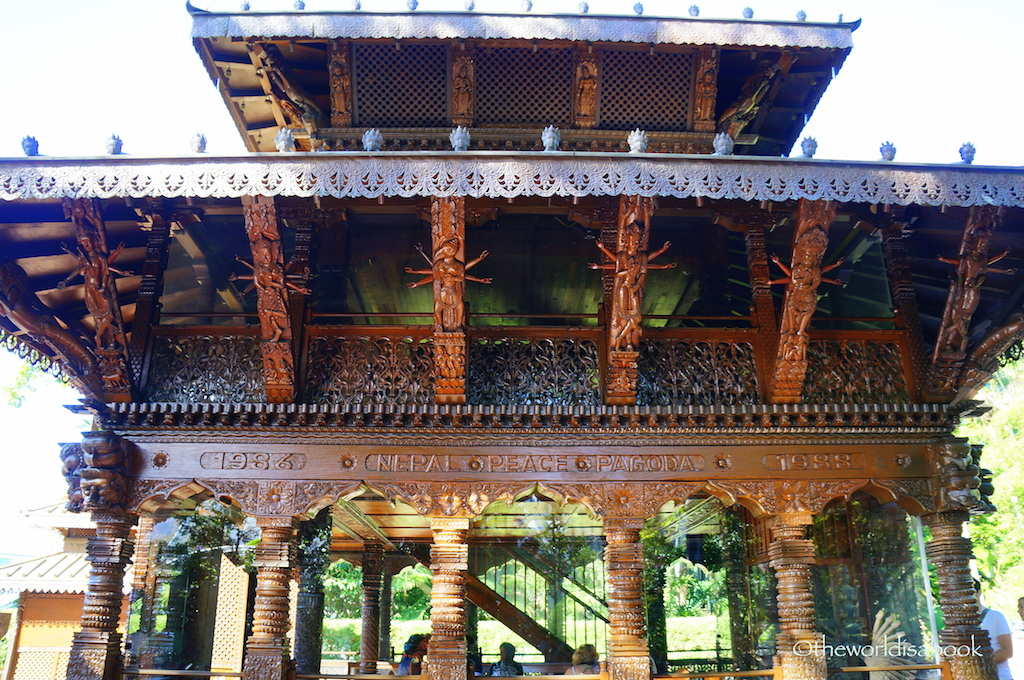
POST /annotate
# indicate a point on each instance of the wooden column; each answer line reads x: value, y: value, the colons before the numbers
x: 141, y: 592
x: 96, y: 648
x: 951, y: 554
x: 629, y: 658
x: 449, y: 561
x: 791, y: 555
x: 314, y: 557
x: 384, y: 650
x: 266, y: 650
x: 706, y: 94
x: 810, y: 239
x: 369, y: 642
x: 269, y: 280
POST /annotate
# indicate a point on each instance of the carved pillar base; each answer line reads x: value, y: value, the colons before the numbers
x: 622, y: 377
x: 630, y: 667
x: 791, y: 556
x: 266, y: 662
x: 449, y: 367
x: 951, y: 553
x: 95, y: 655
x: 449, y: 560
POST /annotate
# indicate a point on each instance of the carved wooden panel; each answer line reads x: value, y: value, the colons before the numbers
x: 506, y: 371
x: 206, y: 369
x: 854, y: 372
x: 519, y: 86
x: 404, y: 87
x: 365, y: 370
x: 649, y: 91
x: 687, y: 372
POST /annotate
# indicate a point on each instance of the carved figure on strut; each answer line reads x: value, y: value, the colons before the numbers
x: 96, y: 271
x: 449, y: 272
x: 271, y: 284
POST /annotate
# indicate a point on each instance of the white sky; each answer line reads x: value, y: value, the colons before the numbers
x: 926, y: 74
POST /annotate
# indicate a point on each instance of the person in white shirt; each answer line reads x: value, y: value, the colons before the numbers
x: 999, y: 635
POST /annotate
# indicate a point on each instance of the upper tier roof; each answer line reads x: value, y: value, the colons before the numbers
x: 575, y: 27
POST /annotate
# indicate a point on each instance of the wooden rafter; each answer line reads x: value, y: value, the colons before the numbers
x: 95, y: 267
x: 272, y: 285
x: 810, y: 239
x: 972, y: 264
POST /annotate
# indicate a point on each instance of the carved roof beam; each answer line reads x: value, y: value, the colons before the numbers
x: 803, y: 275
x: 760, y: 88
x: 271, y: 283
x: 95, y: 265
x: 972, y: 264
x: 280, y: 82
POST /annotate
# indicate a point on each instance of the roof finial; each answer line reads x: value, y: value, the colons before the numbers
x: 244, y: 5
x: 373, y: 140
x: 723, y: 144
x: 300, y: 5
x: 29, y: 145
x: 638, y: 7
x: 527, y: 5
x: 584, y: 7
x: 809, y: 147
x: 551, y: 136
x: 412, y: 5
x: 694, y: 11
x: 198, y: 143
x: 469, y: 5
x: 459, y: 138
x: 637, y: 141
x: 888, y: 150
x: 801, y: 15
x: 114, y: 145
x: 967, y: 153
x: 748, y: 13
x: 356, y: 5
x: 284, y: 140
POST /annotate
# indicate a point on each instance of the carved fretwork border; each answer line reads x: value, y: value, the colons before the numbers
x: 470, y: 499
x: 471, y: 421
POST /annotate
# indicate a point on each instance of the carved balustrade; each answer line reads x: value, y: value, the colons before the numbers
x: 851, y: 367
x: 205, y: 366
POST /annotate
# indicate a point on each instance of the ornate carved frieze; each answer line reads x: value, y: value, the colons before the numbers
x: 464, y: 86
x: 585, y: 88
x: 22, y: 308
x: 774, y: 496
x: 706, y: 89
x: 696, y: 372
x: 506, y: 371
x: 972, y: 264
x: 446, y: 499
x: 810, y: 239
x: 855, y: 372
x: 379, y: 371
x: 95, y: 267
x: 624, y: 500
x: 339, y: 73
x: 205, y: 369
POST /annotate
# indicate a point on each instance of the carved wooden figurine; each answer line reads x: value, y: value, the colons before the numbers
x: 340, y: 82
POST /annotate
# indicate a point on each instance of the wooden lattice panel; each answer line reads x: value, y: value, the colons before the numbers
x: 520, y: 86
x: 404, y: 87
x: 229, y: 630
x: 41, y: 663
x: 646, y: 91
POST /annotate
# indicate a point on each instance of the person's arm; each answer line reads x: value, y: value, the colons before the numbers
x: 1005, y: 648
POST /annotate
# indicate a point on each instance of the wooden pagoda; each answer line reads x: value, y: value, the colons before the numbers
x: 411, y: 337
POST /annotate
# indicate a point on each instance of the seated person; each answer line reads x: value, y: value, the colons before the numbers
x: 507, y: 665
x: 584, y: 661
x: 412, y: 654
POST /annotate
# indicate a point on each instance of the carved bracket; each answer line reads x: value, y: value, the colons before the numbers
x: 104, y: 471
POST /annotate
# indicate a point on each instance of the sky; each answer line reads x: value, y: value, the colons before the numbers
x: 926, y: 75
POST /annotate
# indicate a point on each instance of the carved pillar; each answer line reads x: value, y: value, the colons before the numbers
x: 449, y: 560
x: 705, y: 89
x: 629, y: 658
x: 96, y: 648
x: 585, y: 100
x: 314, y: 556
x: 791, y: 555
x: 903, y: 297
x: 340, y: 82
x: 448, y: 269
x: 369, y: 642
x: 810, y: 239
x: 951, y: 554
x: 141, y: 591
x: 463, y: 85
x: 95, y: 266
x: 266, y: 650
x: 271, y: 284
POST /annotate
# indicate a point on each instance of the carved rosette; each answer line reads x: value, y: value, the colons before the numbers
x: 266, y: 650
x: 449, y: 367
x: 791, y: 556
x: 464, y: 88
x: 801, y: 299
x: 369, y: 641
x: 624, y: 560
x: 585, y: 89
x: 706, y: 89
x: 951, y: 554
x: 96, y: 648
x: 340, y: 81
x: 449, y: 560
